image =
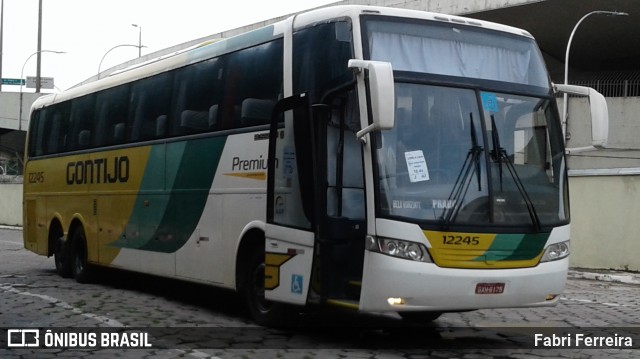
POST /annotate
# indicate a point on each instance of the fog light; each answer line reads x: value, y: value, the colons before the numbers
x: 551, y: 297
x: 395, y: 301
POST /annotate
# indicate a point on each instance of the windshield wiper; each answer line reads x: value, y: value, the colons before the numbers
x: 470, y: 166
x: 499, y: 154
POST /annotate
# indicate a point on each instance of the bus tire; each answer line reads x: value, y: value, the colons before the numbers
x: 81, y: 269
x: 61, y: 258
x: 264, y: 312
x: 420, y: 317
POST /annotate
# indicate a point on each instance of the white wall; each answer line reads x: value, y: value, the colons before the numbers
x: 605, y: 221
x: 11, y: 208
x: 624, y: 134
x: 10, y: 109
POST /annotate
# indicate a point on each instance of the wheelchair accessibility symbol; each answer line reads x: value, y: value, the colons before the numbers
x: 296, y: 283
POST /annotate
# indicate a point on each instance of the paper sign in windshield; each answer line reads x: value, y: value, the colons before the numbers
x: 417, y: 165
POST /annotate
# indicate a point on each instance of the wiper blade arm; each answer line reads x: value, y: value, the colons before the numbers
x: 461, y: 186
x: 477, y: 150
x: 495, y: 154
x: 499, y: 154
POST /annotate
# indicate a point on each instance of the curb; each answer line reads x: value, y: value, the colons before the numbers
x: 13, y: 228
x: 616, y: 277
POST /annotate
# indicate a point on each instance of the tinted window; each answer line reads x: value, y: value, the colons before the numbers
x: 254, y: 84
x: 321, y: 54
x: 197, y: 96
x: 235, y: 90
x: 81, y: 124
x: 150, y: 103
x: 112, y: 110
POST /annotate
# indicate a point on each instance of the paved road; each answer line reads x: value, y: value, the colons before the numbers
x: 193, y: 321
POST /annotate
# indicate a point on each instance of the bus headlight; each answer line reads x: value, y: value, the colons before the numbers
x: 399, y: 248
x: 556, y: 251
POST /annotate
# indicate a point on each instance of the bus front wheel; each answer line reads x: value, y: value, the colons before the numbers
x: 263, y: 311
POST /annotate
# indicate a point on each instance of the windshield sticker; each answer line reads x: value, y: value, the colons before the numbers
x: 489, y: 102
x: 417, y: 166
x: 289, y: 159
x: 401, y: 204
x: 443, y: 203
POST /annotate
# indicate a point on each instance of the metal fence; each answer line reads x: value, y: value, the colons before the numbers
x: 612, y: 84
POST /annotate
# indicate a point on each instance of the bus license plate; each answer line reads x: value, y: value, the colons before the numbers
x: 490, y: 288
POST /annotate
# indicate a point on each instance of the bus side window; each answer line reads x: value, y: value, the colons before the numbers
x: 82, y: 112
x: 36, y: 133
x: 150, y: 103
x: 253, y: 86
x: 197, y: 97
x: 256, y: 112
x: 58, y: 130
x: 111, y: 116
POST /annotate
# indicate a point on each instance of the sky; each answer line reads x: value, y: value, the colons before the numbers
x: 87, y: 29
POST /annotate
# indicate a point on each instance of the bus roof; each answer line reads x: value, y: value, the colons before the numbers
x: 221, y: 46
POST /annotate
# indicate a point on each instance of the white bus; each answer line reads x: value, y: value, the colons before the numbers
x: 372, y: 158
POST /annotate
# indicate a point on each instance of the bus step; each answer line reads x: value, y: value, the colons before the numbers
x: 353, y: 288
x: 344, y: 303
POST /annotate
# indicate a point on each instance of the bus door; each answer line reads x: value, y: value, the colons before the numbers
x: 291, y: 203
x: 316, y: 202
x: 342, y: 226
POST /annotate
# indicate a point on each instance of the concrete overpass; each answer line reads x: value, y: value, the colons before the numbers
x: 12, y: 131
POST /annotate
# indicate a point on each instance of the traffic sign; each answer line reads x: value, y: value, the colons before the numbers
x: 45, y: 82
x: 13, y: 81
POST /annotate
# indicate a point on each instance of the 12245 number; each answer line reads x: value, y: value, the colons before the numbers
x: 461, y: 240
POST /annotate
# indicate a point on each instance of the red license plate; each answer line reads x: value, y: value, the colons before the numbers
x: 489, y: 288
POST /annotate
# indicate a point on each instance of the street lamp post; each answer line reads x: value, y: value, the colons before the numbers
x: 1, y: 37
x: 139, y: 39
x: 37, y: 79
x: 565, y: 110
x: 111, y: 49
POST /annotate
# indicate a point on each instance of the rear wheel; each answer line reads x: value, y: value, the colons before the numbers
x: 81, y: 269
x: 61, y: 257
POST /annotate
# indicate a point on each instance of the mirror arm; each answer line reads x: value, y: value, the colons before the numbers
x: 360, y: 134
x: 382, y: 97
x: 599, y: 116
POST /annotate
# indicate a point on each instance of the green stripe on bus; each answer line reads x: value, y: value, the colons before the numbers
x: 515, y: 247
x: 163, y: 222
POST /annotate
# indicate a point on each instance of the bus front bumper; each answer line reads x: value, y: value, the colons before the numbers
x: 393, y: 284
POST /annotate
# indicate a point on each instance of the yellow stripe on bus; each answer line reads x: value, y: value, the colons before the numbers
x: 485, y: 250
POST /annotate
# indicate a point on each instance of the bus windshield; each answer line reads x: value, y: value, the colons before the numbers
x: 461, y: 155
x: 455, y: 50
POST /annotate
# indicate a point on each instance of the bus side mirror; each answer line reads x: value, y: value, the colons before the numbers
x: 599, y: 115
x: 381, y: 94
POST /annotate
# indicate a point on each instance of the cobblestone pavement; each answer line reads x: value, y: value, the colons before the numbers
x: 201, y: 322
